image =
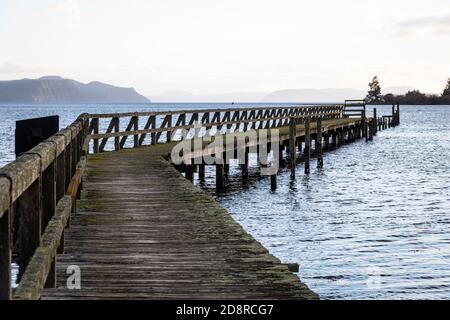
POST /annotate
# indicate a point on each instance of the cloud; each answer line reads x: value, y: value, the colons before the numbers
x: 436, y: 25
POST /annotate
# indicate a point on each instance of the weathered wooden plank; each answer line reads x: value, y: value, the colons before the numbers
x: 5, y: 195
x: 22, y: 172
x: 41, y: 264
x: 176, y: 237
x: 6, y: 245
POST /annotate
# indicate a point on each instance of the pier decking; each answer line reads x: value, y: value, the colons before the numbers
x: 133, y: 224
x: 144, y: 231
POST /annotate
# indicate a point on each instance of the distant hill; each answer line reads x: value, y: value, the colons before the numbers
x: 54, y: 89
x: 314, y: 95
x: 294, y: 95
x: 184, y: 96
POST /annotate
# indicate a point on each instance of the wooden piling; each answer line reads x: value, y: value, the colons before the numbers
x: 366, y: 130
x: 326, y: 139
x: 201, y: 172
x: 299, y: 145
x: 307, y: 151
x: 292, y: 149
x: 190, y: 172
x: 244, y: 165
x: 220, y: 177
x: 273, y: 182
x: 319, y: 143
x: 375, y: 121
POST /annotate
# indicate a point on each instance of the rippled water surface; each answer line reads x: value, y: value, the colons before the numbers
x: 373, y: 223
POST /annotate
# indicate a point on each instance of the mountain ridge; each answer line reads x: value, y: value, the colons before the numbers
x: 305, y: 95
x: 55, y: 89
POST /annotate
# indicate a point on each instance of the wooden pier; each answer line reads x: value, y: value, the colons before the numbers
x: 134, y: 226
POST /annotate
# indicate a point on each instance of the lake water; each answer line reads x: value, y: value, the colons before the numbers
x: 373, y: 223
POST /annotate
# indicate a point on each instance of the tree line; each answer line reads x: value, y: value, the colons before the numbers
x: 374, y: 96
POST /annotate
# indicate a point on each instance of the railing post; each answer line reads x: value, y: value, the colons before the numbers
x: 292, y: 149
x: 6, y: 254
x: 307, y: 150
x: 96, y: 131
x: 117, y: 129
x: 136, y: 128
x: 61, y: 185
x: 169, y: 124
x: 319, y: 143
x: 29, y: 211
x: 48, y: 194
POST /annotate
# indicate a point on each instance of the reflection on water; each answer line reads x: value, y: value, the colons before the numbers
x: 374, y: 223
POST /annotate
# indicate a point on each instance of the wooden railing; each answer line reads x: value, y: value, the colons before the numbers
x: 166, y: 126
x: 38, y: 191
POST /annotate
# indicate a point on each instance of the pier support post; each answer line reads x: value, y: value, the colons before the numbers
x: 244, y: 166
x: 273, y: 182
x: 393, y: 116
x: 326, y: 138
x: 292, y: 149
x: 299, y: 145
x: 280, y: 153
x: 375, y: 121
x: 334, y: 139
x: 364, y: 124
x: 307, y: 146
x: 366, y: 130
x: 220, y: 177
x: 190, y: 172
x: 398, y: 113
x: 319, y: 143
x: 371, y: 130
x: 201, y: 172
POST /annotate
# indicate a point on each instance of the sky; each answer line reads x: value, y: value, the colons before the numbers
x: 212, y: 46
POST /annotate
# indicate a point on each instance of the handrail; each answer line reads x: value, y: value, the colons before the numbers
x: 30, y: 189
x: 157, y: 123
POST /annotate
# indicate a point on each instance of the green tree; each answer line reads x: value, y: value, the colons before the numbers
x: 374, y: 94
x: 447, y: 89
